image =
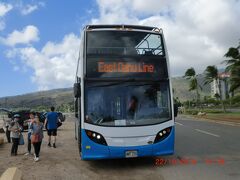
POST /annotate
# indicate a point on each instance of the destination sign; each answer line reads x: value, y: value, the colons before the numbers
x: 126, y: 68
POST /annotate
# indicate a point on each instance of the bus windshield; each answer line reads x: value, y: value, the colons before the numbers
x: 127, y: 103
x: 124, y: 43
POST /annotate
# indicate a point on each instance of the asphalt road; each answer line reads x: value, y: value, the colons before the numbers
x: 210, y: 150
x: 203, y: 150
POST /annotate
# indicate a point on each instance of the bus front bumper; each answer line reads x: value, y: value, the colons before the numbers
x: 94, y: 151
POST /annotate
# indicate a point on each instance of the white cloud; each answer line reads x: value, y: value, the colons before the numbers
x: 27, y: 35
x: 198, y: 33
x: 12, y: 53
x: 151, y: 6
x: 29, y: 8
x: 4, y: 9
x: 113, y: 11
x: 55, y: 65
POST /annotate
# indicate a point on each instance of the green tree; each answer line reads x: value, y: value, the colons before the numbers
x: 191, y: 75
x: 233, y: 66
x: 211, y: 74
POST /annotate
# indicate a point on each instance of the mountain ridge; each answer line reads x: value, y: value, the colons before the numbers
x: 64, y: 96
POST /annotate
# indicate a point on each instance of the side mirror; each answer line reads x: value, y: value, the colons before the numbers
x: 9, y: 115
x: 77, y: 90
x: 76, y: 115
x: 175, y: 110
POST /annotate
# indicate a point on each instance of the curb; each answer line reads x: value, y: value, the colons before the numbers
x: 230, y: 123
x: 12, y: 173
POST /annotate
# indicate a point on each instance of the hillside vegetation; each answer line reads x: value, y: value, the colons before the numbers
x: 181, y: 88
x: 63, y: 98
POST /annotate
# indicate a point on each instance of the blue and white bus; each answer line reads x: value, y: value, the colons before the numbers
x: 123, y: 95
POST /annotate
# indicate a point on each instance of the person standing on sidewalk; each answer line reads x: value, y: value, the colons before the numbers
x: 36, y: 136
x: 16, y: 130
x: 28, y: 123
x: 7, y: 123
x: 51, y: 122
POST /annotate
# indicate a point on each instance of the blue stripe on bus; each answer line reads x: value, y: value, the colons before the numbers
x: 92, y: 150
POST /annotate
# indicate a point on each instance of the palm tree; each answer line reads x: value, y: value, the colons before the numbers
x: 191, y: 75
x: 233, y: 66
x: 211, y: 74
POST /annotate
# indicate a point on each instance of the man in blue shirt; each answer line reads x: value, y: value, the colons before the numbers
x: 52, y: 121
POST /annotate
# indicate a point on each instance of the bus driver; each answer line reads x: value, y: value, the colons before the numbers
x: 132, y: 107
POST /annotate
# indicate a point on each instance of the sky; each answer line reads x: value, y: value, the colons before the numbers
x: 39, y: 39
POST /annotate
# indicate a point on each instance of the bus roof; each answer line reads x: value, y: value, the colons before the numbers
x: 123, y: 27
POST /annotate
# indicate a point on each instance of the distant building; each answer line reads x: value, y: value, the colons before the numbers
x: 224, y: 76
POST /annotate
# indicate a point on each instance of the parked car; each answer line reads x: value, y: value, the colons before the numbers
x: 25, y: 115
x: 61, y: 116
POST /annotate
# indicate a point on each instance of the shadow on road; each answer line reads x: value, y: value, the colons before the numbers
x: 123, y: 163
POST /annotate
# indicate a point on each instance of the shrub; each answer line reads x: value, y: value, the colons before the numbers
x: 212, y: 111
x: 195, y: 111
x: 236, y: 99
x: 191, y: 111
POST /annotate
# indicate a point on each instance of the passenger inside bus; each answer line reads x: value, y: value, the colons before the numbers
x: 132, y: 107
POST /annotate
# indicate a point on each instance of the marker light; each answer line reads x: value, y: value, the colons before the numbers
x: 94, y: 135
x: 98, y: 136
x: 89, y: 133
x: 168, y: 130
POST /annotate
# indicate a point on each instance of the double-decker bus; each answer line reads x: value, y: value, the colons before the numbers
x: 123, y: 95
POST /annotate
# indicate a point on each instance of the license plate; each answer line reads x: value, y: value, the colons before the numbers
x: 131, y: 154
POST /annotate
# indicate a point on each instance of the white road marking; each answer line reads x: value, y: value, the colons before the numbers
x: 205, y: 132
x: 179, y: 123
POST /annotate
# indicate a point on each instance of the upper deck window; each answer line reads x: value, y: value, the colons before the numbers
x: 124, y: 43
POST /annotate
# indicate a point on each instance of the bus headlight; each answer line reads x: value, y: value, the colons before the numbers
x: 96, y: 137
x: 161, y: 135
